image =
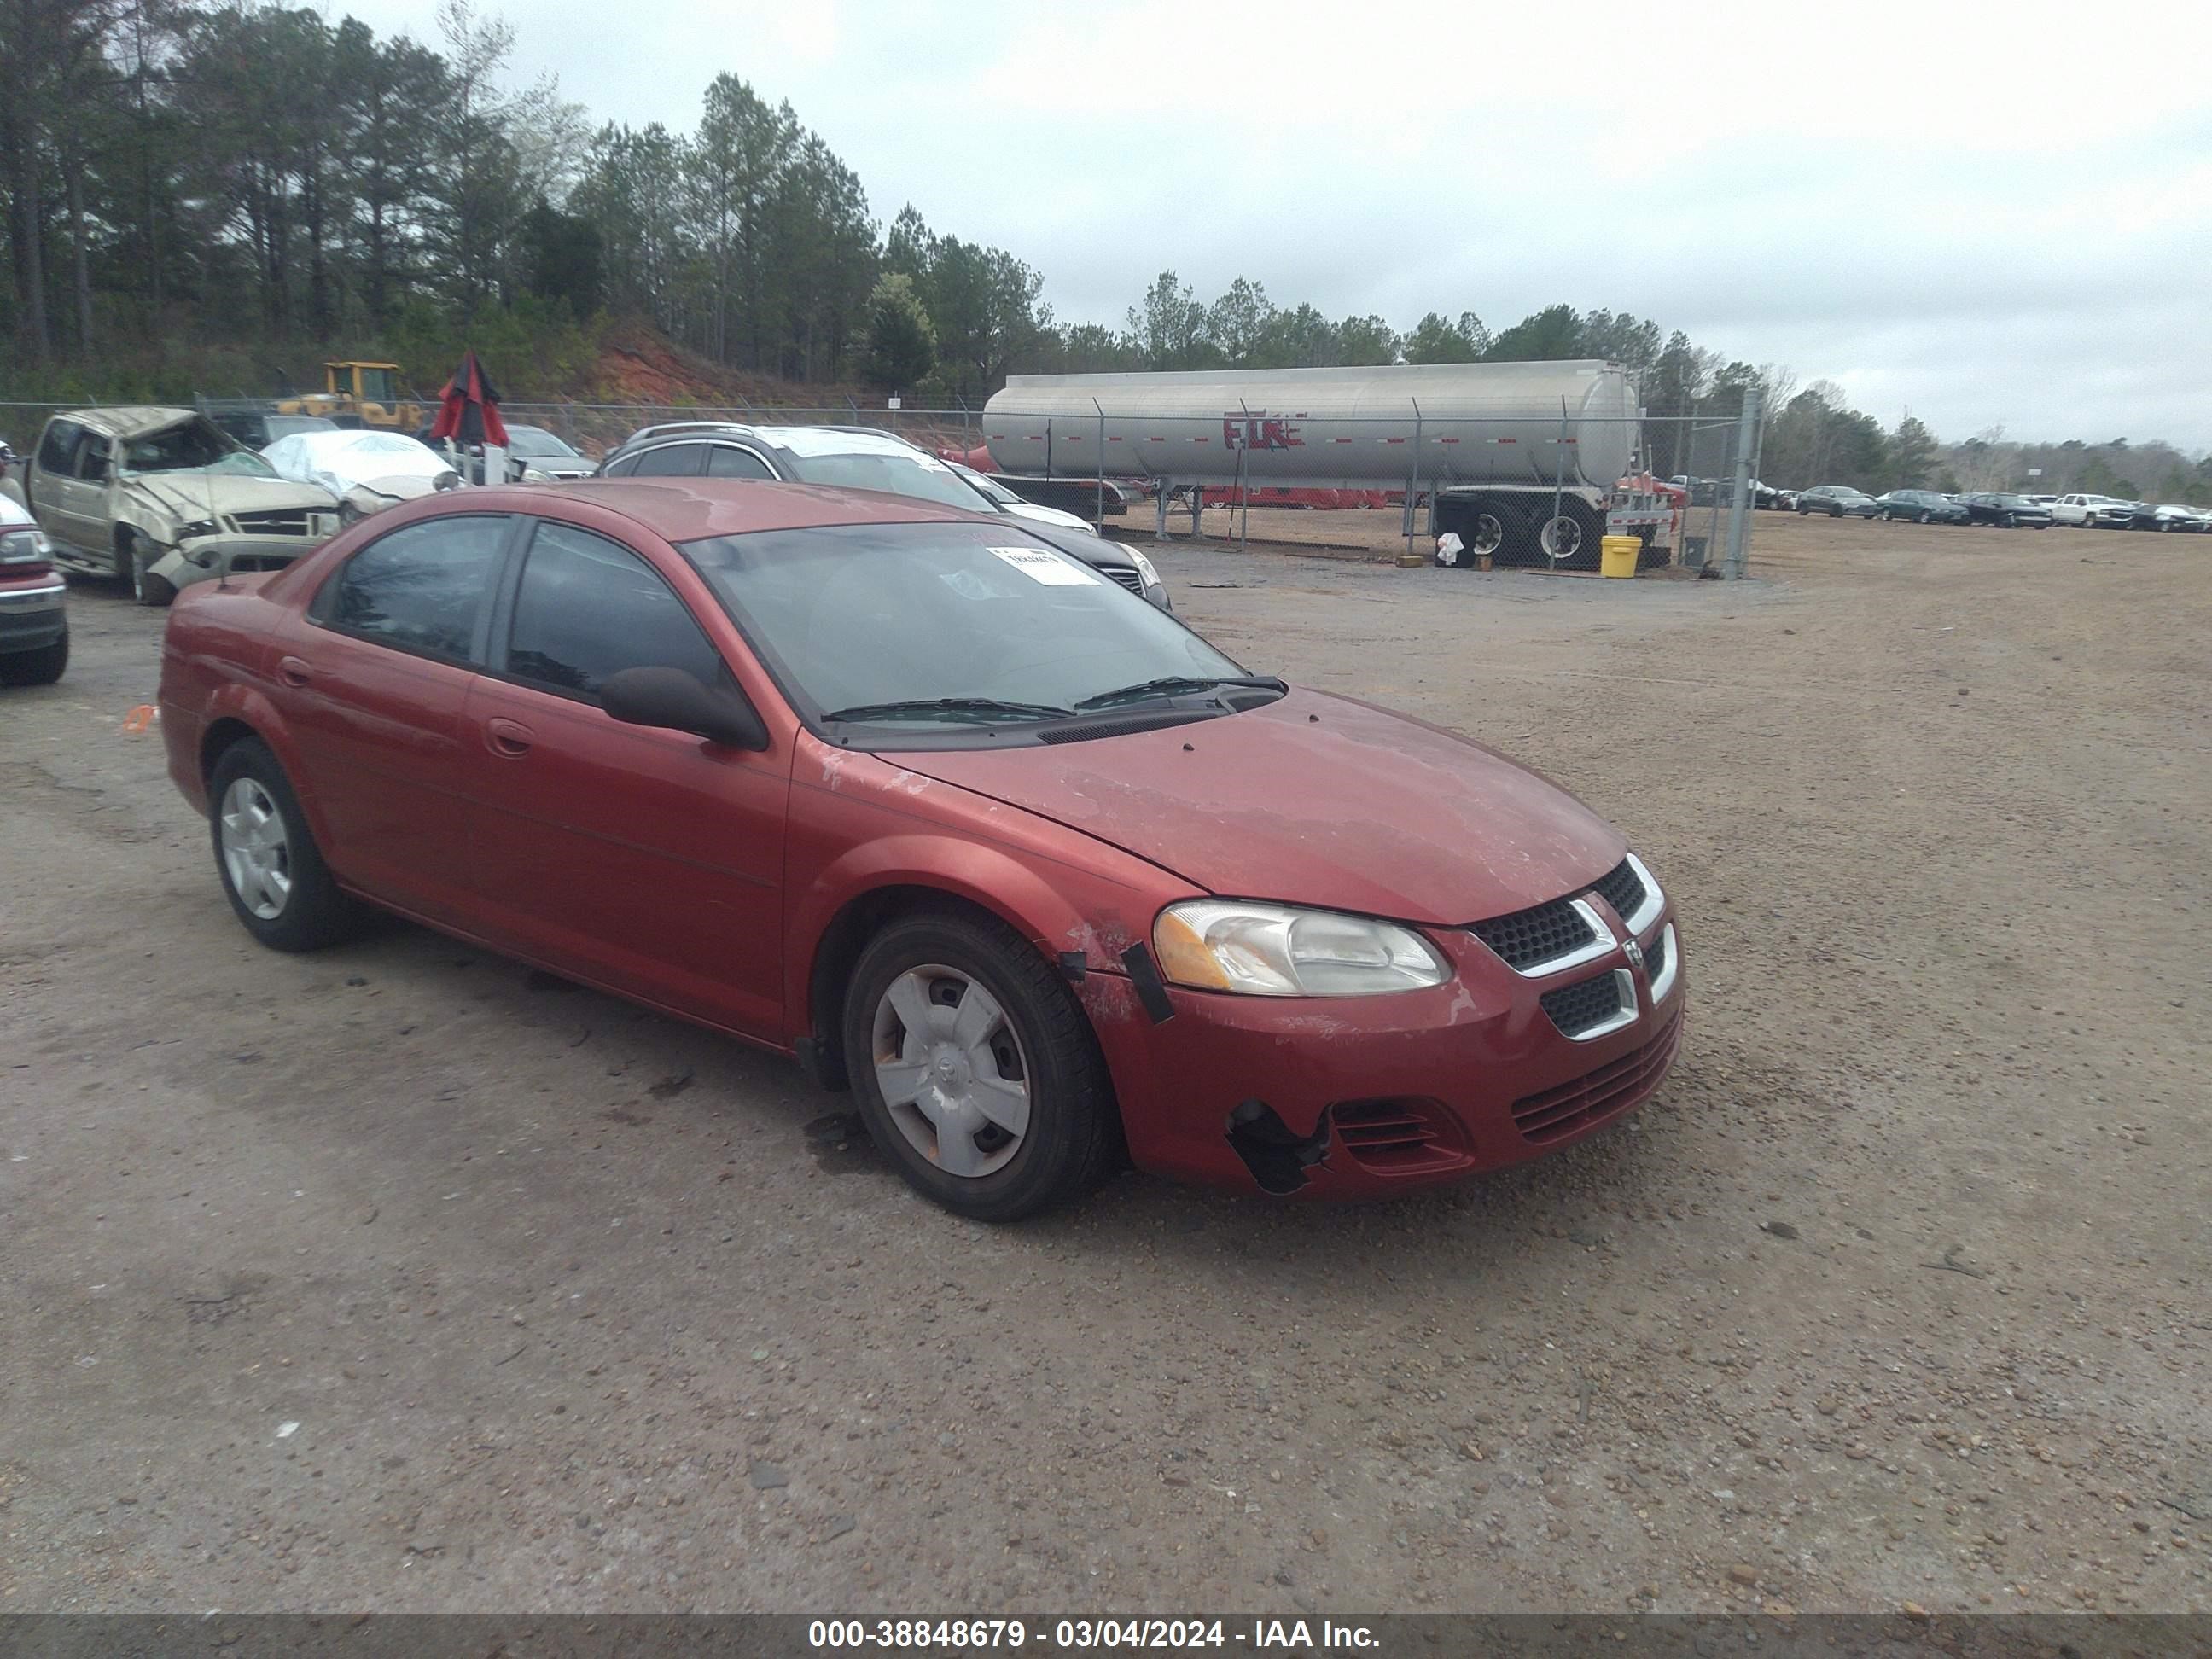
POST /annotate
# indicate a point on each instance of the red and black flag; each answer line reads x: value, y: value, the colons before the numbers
x: 469, y: 413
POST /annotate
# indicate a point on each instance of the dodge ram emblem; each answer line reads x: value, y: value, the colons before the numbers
x: 1634, y: 952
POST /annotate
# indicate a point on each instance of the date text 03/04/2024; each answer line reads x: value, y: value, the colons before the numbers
x: 1084, y: 1634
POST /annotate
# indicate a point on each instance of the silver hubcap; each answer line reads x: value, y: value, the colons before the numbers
x: 1563, y: 538
x: 1489, y: 532
x: 256, y: 852
x: 951, y: 1071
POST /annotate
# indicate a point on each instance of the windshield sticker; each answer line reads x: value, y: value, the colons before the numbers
x: 1050, y: 568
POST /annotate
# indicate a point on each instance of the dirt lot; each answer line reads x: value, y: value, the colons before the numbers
x: 404, y: 1277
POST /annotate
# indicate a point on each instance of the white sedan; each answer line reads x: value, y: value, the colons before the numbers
x: 366, y: 471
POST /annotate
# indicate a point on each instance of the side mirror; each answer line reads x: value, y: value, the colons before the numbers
x: 671, y: 698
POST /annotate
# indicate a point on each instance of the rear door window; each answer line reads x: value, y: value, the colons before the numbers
x: 423, y: 588
x: 727, y: 461
x: 669, y: 461
x: 587, y: 607
x: 57, y: 449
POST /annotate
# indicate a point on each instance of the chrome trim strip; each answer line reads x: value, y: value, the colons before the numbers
x: 48, y: 597
x: 1654, y: 900
x: 1665, y: 982
x: 1623, y: 986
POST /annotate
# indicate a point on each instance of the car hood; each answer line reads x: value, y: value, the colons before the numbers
x: 1312, y: 800
x: 1084, y: 545
x: 193, y: 495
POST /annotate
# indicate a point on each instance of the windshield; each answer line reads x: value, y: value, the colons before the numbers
x: 856, y: 617
x: 536, y: 440
x: 911, y: 473
x: 196, y: 446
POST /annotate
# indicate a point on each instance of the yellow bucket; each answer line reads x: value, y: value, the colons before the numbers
x: 1617, y: 554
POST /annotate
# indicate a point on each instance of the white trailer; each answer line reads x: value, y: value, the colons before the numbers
x: 1522, y: 459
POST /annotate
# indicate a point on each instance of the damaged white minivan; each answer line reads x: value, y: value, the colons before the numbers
x: 161, y: 498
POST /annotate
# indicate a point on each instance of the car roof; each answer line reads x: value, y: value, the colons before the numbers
x: 127, y: 420
x: 688, y: 509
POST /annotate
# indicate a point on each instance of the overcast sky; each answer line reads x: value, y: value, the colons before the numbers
x: 1982, y: 214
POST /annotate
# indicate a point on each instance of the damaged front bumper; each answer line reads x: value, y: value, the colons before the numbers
x: 205, y: 558
x: 1356, y: 1097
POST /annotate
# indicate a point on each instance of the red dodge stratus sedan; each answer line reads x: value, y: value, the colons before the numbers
x: 1040, y: 875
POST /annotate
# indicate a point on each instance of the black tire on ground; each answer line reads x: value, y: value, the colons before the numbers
x: 314, y: 912
x: 146, y: 587
x: 40, y: 667
x: 1072, y: 1141
x: 1569, y: 541
x: 1835, y: 511
x: 2011, y: 521
x: 1801, y: 509
x: 1925, y: 517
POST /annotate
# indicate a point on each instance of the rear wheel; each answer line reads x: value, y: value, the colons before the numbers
x: 40, y: 667
x: 974, y: 1069
x: 2011, y: 521
x: 1568, y: 537
x: 271, y: 869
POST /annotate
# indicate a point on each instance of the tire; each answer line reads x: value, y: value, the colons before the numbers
x: 40, y: 667
x: 1568, y: 541
x: 292, y: 902
x: 1803, y: 509
x: 146, y: 587
x: 2011, y: 521
x: 1925, y: 517
x: 1030, y: 1055
x: 1835, y: 511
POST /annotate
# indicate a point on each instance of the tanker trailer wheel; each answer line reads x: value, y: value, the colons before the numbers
x: 1567, y: 540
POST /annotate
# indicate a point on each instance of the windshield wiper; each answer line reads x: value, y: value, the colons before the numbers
x: 983, y: 706
x: 1177, y: 685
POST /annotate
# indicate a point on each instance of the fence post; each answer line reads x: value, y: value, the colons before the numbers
x: 1244, y: 479
x: 1746, y: 456
x: 1101, y: 518
x: 1558, y: 490
x: 1413, y: 477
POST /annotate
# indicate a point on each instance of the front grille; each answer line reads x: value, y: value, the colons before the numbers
x: 290, y: 521
x: 1612, y: 1088
x: 1654, y: 959
x: 1394, y: 1137
x: 1528, y: 936
x: 1621, y: 888
x: 1129, y: 576
x: 1576, y: 1009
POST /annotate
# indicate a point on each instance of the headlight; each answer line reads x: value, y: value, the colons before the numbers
x: 1145, y: 568
x: 1273, y: 951
x: 200, y: 527
x: 22, y: 546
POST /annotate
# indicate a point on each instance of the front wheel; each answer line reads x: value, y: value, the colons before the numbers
x: 272, y: 872
x: 1926, y: 518
x: 974, y: 1069
x: 146, y: 587
x: 40, y: 667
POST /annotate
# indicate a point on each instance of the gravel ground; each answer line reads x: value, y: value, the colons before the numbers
x: 404, y: 1277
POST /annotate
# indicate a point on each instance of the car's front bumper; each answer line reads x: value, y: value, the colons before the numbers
x: 33, y: 613
x: 1361, y: 1097
x: 207, y: 557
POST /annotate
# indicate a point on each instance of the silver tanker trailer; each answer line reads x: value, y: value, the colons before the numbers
x: 1521, y: 459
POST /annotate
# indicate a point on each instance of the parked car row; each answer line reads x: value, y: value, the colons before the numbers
x: 2002, y: 508
x: 160, y: 498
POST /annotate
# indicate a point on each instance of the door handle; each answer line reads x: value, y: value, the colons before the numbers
x: 292, y: 671
x: 506, y: 736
